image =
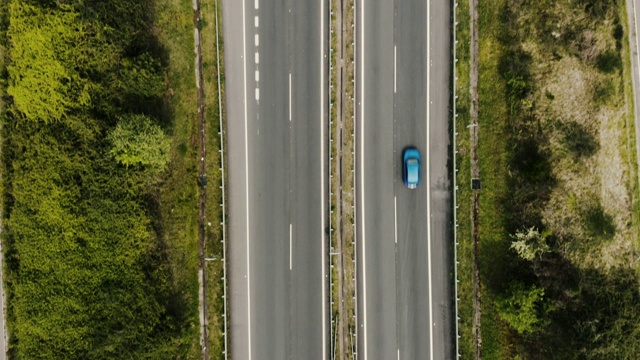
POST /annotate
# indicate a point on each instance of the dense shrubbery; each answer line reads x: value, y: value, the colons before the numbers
x: 87, y: 275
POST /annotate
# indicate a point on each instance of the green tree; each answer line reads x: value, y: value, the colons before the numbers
x: 524, y: 308
x: 137, y: 141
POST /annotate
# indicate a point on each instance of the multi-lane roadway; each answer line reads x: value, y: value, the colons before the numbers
x: 403, y: 99
x: 276, y: 60
x: 276, y: 86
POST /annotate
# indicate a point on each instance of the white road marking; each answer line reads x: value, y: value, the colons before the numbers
x: 246, y: 168
x: 322, y: 214
x: 398, y: 354
x: 428, y: 181
x: 290, y: 245
x: 395, y: 217
x: 289, y: 96
x: 257, y: 76
x: 255, y: 21
x: 257, y: 39
x: 257, y: 94
x: 257, y: 57
x: 394, y: 69
x: 256, y: 4
x: 364, y: 229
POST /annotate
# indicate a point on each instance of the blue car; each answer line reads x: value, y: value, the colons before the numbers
x: 411, y: 168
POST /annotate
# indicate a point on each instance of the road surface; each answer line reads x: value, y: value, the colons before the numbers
x: 404, y: 237
x: 276, y: 93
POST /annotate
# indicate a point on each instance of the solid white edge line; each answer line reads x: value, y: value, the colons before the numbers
x: 362, y: 188
x: 246, y: 164
x: 395, y: 219
x: 322, y: 209
x: 428, y: 182
x: 290, y: 246
x: 289, y: 96
x: 395, y: 65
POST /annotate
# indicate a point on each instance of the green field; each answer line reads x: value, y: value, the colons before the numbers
x: 99, y: 161
x: 557, y: 155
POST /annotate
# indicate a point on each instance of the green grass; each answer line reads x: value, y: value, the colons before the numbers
x: 553, y: 159
x: 463, y: 178
x: 179, y: 192
x: 215, y: 284
x: 628, y: 142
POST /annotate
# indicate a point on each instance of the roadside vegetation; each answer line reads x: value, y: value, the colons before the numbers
x: 559, y: 203
x: 99, y: 182
x: 213, y: 239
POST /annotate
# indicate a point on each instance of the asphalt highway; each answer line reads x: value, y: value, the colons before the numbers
x: 404, y: 239
x: 276, y: 86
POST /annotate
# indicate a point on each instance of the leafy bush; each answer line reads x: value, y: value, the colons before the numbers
x: 137, y: 141
x: 524, y: 308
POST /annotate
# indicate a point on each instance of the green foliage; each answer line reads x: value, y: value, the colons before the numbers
x: 530, y: 243
x: 84, y: 284
x: 86, y: 272
x: 54, y: 53
x: 609, y: 61
x: 577, y: 140
x: 598, y: 223
x: 141, y: 76
x: 524, y: 308
x: 137, y: 141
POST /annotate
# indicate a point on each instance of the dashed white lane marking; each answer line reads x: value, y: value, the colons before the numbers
x: 290, y: 246
x: 257, y: 76
x: 257, y: 39
x: 289, y: 96
x: 257, y: 57
x: 394, y: 69
x: 398, y: 354
x: 256, y: 4
x: 257, y: 94
x: 395, y: 218
x: 255, y: 21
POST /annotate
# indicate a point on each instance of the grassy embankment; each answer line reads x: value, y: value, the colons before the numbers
x: 179, y: 192
x: 557, y: 153
x: 215, y: 283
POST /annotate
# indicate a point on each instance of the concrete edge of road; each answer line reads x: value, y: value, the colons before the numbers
x: 455, y: 172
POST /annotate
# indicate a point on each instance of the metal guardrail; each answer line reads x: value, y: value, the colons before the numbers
x: 224, y: 215
x: 455, y: 186
x: 333, y: 323
x: 355, y: 214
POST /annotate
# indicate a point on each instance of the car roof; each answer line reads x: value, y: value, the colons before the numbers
x: 413, y: 171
